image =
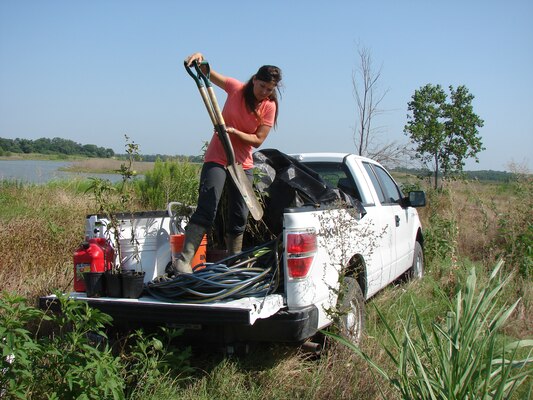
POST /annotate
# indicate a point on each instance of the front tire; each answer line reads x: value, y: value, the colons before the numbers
x: 417, y: 268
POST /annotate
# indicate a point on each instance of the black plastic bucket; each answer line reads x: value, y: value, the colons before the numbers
x: 113, y: 284
x: 94, y: 284
x: 132, y: 285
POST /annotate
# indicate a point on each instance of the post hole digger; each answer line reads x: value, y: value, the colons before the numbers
x: 235, y: 170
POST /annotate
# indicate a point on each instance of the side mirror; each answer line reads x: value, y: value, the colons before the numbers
x: 417, y: 198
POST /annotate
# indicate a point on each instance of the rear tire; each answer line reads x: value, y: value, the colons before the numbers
x: 351, y: 309
x: 417, y: 268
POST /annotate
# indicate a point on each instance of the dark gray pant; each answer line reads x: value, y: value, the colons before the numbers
x: 212, y: 180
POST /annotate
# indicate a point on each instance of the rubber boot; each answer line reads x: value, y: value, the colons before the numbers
x: 193, y: 238
x: 234, y: 243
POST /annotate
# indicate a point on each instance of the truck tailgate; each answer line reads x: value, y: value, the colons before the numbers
x: 245, y: 311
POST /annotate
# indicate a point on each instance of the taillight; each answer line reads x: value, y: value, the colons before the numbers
x: 301, y: 249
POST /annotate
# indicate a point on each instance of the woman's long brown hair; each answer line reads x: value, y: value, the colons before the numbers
x: 267, y: 73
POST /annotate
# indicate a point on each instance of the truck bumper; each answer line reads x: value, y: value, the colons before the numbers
x: 212, y: 323
x: 294, y: 326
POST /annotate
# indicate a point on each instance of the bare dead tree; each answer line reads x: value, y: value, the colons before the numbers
x: 391, y: 154
x: 365, y: 90
x: 368, y: 97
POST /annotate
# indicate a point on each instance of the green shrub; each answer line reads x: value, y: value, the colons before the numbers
x: 66, y: 365
x: 407, y: 187
x: 169, y: 181
x: 76, y: 361
x: 153, y: 359
x: 440, y: 238
x: 440, y: 228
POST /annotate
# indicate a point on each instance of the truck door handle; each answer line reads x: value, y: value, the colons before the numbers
x: 397, y: 220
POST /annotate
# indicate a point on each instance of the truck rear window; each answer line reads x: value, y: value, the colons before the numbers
x: 336, y: 176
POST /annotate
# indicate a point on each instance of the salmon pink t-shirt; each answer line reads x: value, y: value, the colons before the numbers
x: 237, y: 115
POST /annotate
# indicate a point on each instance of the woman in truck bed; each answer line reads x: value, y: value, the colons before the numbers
x: 250, y: 111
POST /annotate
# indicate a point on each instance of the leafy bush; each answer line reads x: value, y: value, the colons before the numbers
x: 463, y: 357
x: 407, y: 187
x: 169, y: 181
x: 440, y: 238
x: 152, y: 358
x: 76, y: 361
x: 440, y: 227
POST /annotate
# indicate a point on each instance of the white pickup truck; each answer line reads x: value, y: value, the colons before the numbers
x: 333, y: 254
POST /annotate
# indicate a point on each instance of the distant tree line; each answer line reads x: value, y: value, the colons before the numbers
x: 58, y: 146
x: 483, y: 175
x: 52, y: 146
x: 490, y: 175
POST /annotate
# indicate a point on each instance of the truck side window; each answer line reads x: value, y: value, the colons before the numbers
x: 392, y: 193
x: 375, y: 182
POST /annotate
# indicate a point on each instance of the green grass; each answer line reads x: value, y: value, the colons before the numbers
x: 42, y: 225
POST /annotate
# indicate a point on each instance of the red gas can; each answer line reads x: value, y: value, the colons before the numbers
x: 109, y: 251
x: 89, y: 257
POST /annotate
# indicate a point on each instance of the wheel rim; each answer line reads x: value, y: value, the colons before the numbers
x: 417, y: 267
x: 352, y: 323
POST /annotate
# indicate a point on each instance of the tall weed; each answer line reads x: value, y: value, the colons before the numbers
x: 169, y: 181
x: 462, y: 356
x: 41, y: 227
x: 515, y: 226
x: 481, y: 221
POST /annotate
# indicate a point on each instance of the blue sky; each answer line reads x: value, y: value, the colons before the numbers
x: 92, y: 71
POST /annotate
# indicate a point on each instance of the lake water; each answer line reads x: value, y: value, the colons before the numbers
x: 39, y: 171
